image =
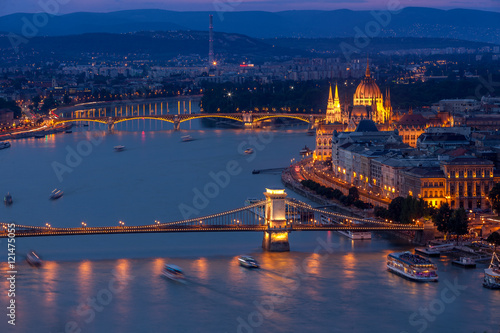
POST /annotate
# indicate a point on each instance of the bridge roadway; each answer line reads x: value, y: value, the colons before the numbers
x: 248, y: 118
x: 29, y: 231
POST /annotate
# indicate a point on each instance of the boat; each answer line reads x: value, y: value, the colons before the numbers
x: 69, y: 131
x: 248, y: 262
x: 33, y: 259
x: 56, y: 194
x: 39, y: 135
x: 428, y: 251
x: 412, y: 266
x: 492, y: 273
x: 311, y: 132
x: 465, y: 262
x: 4, y: 145
x: 305, y: 151
x: 249, y: 151
x: 356, y: 235
x: 173, y: 272
x: 255, y: 172
x: 7, y: 199
x: 186, y: 138
x: 119, y: 148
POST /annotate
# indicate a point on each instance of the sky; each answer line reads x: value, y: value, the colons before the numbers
x: 70, y: 6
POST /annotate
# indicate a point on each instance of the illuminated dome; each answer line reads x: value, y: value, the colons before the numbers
x: 367, y: 90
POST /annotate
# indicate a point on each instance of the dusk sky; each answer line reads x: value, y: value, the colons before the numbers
x: 15, y: 6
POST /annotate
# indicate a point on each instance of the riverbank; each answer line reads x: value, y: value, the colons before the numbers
x: 37, y: 132
x: 291, y: 179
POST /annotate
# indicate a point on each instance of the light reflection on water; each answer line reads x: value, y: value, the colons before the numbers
x: 339, y: 292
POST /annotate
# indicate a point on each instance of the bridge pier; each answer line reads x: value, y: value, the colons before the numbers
x: 276, y: 235
x: 426, y: 235
x: 248, y: 119
x: 111, y: 124
x: 177, y: 123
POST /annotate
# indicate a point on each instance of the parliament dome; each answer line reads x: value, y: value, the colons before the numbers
x: 367, y: 89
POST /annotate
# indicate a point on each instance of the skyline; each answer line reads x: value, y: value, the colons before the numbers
x: 27, y: 6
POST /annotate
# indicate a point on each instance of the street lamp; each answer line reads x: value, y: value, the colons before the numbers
x: 122, y: 224
x: 47, y: 225
x: 84, y: 224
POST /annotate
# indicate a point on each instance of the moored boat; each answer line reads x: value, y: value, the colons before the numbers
x: 492, y: 273
x: 305, y: 151
x: 5, y: 144
x: 33, y: 259
x: 7, y: 199
x: 428, y: 251
x: 119, y: 148
x: 412, y: 267
x: 56, y: 194
x: 186, y: 138
x: 356, y: 235
x: 311, y: 132
x: 248, y: 262
x: 465, y: 262
x: 173, y: 272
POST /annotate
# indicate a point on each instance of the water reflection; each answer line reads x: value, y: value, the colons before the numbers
x: 85, y: 279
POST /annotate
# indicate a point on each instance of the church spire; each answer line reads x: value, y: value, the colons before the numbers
x: 367, y: 73
x: 330, y: 98
x: 336, y: 101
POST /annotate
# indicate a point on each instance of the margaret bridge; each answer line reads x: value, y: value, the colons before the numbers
x: 275, y: 216
x: 248, y: 119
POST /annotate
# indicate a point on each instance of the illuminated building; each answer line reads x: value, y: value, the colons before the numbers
x: 368, y: 102
x: 333, y: 110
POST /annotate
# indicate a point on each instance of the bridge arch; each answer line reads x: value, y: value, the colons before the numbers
x: 304, y: 118
x: 144, y: 118
x: 199, y: 116
x: 74, y: 120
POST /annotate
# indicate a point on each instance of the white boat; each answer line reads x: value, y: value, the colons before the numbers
x: 311, y: 132
x: 33, y: 259
x: 249, y: 151
x: 412, y: 266
x: 465, y: 262
x: 248, y: 262
x: 56, y: 194
x: 186, y: 138
x: 356, y: 235
x: 428, y: 251
x: 305, y: 151
x: 119, y: 148
x: 173, y: 272
x: 492, y: 273
x: 5, y: 144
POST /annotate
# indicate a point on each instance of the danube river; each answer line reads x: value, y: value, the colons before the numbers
x: 112, y: 283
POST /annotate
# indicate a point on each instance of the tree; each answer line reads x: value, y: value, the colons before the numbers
x: 353, y: 193
x: 495, y: 239
x: 442, y: 218
x: 459, y: 224
x: 395, y: 208
x: 494, y: 197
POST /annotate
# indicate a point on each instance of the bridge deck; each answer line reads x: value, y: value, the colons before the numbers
x: 38, y: 232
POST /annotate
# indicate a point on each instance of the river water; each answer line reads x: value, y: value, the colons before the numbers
x: 112, y: 283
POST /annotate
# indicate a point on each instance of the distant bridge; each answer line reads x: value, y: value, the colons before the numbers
x: 249, y: 119
x: 275, y: 216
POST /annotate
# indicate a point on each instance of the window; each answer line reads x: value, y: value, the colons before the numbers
x: 478, y: 189
x: 426, y: 184
x: 452, y: 189
x: 461, y: 174
x: 425, y: 194
x: 469, y: 173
